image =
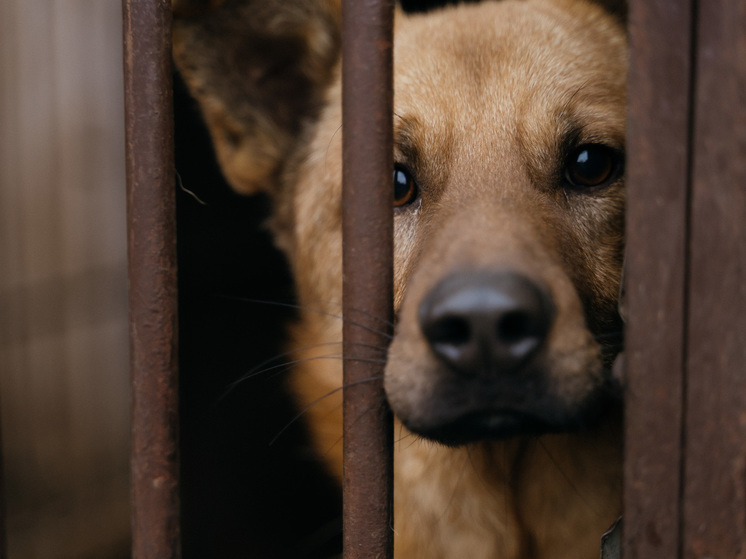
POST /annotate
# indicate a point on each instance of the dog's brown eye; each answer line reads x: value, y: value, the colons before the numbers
x: 591, y: 165
x: 405, y: 189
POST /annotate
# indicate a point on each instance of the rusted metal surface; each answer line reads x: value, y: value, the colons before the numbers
x: 685, y: 473
x: 3, y: 517
x: 368, y: 277
x: 715, y: 446
x: 152, y: 276
x: 658, y: 182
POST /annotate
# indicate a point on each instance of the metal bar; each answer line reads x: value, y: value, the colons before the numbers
x: 368, y: 277
x: 715, y: 450
x: 658, y: 149
x: 152, y: 277
x: 3, y: 510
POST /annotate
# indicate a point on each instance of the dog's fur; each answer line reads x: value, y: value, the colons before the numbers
x: 490, y: 102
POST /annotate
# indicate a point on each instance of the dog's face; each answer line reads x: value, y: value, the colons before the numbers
x: 509, y: 254
x: 509, y: 143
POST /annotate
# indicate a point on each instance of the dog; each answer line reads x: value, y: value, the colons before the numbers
x: 509, y: 135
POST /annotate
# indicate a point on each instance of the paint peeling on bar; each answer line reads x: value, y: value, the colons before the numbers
x: 152, y: 277
x: 368, y: 277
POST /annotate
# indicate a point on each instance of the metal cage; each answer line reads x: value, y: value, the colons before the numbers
x: 685, y: 466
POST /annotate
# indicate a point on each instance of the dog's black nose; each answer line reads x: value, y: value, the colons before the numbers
x: 486, y: 322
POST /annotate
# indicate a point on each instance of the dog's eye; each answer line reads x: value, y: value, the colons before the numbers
x: 591, y: 165
x: 405, y: 188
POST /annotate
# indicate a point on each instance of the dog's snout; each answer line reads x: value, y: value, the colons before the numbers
x: 486, y: 323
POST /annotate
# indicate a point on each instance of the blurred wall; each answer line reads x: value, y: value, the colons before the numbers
x: 63, y: 322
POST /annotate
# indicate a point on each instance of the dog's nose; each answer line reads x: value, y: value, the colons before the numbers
x: 486, y: 322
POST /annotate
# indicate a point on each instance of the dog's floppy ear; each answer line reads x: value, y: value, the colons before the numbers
x: 259, y: 69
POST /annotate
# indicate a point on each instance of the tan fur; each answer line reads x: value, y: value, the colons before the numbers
x: 483, y: 96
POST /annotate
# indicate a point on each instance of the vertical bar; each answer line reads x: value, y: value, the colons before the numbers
x: 715, y: 450
x: 368, y: 278
x: 3, y: 517
x: 152, y: 276
x: 658, y: 150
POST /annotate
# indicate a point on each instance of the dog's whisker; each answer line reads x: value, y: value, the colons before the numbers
x: 366, y: 411
x: 323, y: 312
x: 416, y: 439
x: 403, y: 438
x: 287, y: 365
x: 409, y: 435
x: 328, y: 147
x: 320, y: 399
x: 259, y: 368
x: 367, y: 314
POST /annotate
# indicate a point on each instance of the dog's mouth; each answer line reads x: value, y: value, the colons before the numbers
x: 458, y: 424
x: 487, y: 425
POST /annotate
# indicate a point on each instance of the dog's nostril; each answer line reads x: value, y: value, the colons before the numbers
x: 515, y: 327
x: 449, y: 330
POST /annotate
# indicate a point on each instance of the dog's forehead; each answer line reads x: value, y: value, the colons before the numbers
x: 486, y: 60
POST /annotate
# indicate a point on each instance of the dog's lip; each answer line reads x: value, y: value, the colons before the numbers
x: 486, y: 425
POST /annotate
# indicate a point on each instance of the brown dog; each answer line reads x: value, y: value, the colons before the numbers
x: 509, y: 139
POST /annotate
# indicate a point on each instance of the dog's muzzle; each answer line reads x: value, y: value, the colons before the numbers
x: 487, y: 330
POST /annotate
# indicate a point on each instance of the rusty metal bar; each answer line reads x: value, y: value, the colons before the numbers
x: 714, y: 509
x: 685, y: 489
x: 3, y: 513
x: 367, y: 102
x: 152, y: 277
x: 658, y: 151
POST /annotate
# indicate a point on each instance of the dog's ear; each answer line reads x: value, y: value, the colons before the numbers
x: 259, y: 69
